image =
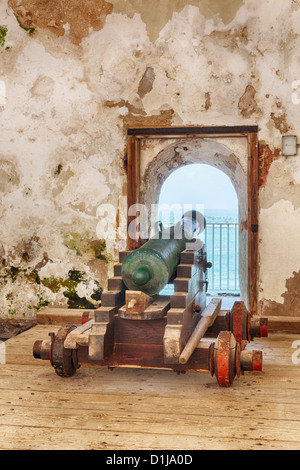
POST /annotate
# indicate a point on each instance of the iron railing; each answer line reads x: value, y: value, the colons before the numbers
x: 222, y: 246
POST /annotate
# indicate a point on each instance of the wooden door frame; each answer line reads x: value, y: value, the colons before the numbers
x: 133, y: 163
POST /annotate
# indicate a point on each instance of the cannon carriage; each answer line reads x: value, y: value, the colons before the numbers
x: 138, y: 326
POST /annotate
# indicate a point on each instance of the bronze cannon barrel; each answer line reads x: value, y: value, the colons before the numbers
x: 149, y: 268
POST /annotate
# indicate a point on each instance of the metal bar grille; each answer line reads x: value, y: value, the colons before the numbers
x: 222, y: 250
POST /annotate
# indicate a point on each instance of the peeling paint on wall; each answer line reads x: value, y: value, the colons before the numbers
x: 163, y: 119
x: 91, y: 69
x: 72, y: 16
x: 9, y: 177
x: 266, y: 158
x: 291, y: 302
x: 280, y: 122
x: 146, y: 83
x: 247, y: 104
x: 156, y: 14
x: 279, y: 232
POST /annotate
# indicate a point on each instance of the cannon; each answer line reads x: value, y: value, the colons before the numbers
x: 138, y: 325
x: 150, y: 267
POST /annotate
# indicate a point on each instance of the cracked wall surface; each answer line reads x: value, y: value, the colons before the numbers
x: 75, y: 75
x: 72, y: 16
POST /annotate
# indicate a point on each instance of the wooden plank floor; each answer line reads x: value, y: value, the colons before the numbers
x: 128, y: 409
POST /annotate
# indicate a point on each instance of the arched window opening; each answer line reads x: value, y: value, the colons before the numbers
x: 208, y: 189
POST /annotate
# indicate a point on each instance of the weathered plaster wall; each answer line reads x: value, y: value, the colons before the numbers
x: 75, y: 74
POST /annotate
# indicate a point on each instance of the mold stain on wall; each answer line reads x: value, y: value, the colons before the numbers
x: 3, y: 33
x: 21, y: 276
x: 247, y: 104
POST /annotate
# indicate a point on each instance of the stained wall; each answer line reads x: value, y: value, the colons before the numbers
x: 74, y: 75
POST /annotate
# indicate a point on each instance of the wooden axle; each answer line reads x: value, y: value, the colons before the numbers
x: 251, y: 360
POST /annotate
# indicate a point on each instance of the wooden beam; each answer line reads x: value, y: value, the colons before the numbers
x: 277, y: 324
x: 192, y: 130
x: 133, y: 179
x: 253, y: 222
x: 156, y: 308
x: 207, y: 319
x: 60, y: 316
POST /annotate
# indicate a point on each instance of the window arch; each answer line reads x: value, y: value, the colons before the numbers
x: 209, y: 190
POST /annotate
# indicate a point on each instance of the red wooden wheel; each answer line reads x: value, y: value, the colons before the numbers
x: 64, y: 361
x: 227, y: 354
x: 240, y: 322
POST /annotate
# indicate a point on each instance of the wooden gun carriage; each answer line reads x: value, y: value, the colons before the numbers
x: 176, y: 332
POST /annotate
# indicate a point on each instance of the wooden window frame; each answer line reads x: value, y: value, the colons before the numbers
x: 133, y: 160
